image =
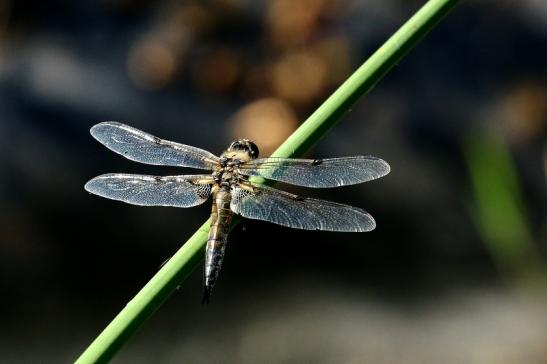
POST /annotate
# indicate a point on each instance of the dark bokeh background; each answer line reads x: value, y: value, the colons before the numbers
x: 455, y: 270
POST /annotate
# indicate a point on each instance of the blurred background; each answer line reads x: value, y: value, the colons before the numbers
x: 454, y: 272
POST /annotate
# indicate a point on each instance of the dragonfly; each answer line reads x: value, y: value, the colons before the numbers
x: 232, y: 187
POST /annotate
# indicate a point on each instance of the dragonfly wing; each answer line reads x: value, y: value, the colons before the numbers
x: 142, y: 147
x: 279, y: 207
x: 319, y: 173
x: 176, y: 191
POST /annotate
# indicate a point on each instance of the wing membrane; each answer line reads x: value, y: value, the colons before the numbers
x: 142, y: 147
x: 176, y: 191
x: 279, y: 207
x: 319, y: 173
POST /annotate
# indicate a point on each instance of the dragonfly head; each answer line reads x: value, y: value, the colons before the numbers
x: 244, y: 145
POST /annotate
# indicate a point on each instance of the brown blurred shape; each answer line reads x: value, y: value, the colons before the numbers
x: 217, y: 70
x: 299, y: 76
x: 188, y: 17
x: 293, y: 22
x: 160, y: 54
x: 335, y: 52
x: 268, y: 122
x: 151, y: 64
x: 525, y: 112
x: 303, y: 74
x: 256, y: 80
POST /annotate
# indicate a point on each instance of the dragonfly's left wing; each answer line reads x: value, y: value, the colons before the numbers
x: 142, y: 147
x: 320, y: 173
x: 279, y: 207
x: 176, y: 191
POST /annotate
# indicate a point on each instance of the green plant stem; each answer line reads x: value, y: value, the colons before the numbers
x: 499, y: 210
x: 179, y: 267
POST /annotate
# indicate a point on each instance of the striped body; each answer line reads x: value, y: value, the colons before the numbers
x: 221, y: 217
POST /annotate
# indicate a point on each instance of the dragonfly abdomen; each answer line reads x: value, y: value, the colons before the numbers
x: 221, y: 217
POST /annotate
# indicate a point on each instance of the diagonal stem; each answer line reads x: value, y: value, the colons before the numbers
x: 187, y: 258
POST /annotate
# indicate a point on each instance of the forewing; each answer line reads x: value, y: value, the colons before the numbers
x: 142, y: 147
x: 279, y: 207
x: 176, y: 191
x: 319, y: 173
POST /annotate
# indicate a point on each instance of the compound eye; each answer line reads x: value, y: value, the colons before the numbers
x: 254, y: 149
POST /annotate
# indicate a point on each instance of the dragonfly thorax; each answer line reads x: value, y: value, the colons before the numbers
x: 239, y: 152
x: 228, y: 173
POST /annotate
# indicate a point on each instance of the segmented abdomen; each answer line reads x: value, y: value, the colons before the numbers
x: 221, y: 217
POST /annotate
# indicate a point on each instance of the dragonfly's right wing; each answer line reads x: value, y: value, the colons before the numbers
x: 318, y: 173
x: 283, y: 208
x: 142, y: 147
x: 176, y: 191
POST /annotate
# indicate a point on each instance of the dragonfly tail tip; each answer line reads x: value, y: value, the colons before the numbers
x: 206, y: 296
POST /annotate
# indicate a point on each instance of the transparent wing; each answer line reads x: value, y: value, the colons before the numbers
x: 176, y: 191
x: 279, y: 207
x: 142, y: 147
x: 320, y: 173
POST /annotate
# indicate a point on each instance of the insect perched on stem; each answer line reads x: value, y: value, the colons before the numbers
x: 230, y: 187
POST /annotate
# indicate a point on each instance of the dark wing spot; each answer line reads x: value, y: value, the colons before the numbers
x: 299, y: 198
x: 316, y: 162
